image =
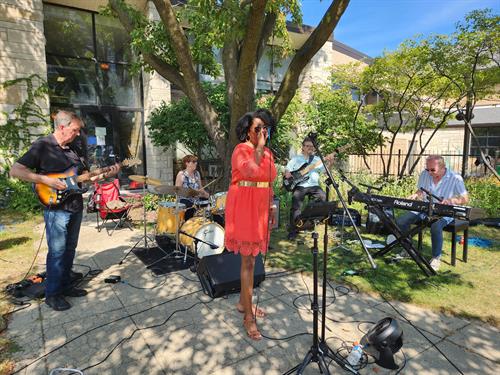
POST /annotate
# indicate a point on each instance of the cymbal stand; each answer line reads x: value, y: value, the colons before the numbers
x: 145, y: 236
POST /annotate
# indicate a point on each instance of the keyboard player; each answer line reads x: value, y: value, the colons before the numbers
x: 443, y: 183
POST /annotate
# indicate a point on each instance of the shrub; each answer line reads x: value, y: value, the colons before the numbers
x: 151, y: 201
x: 17, y: 195
x: 485, y: 193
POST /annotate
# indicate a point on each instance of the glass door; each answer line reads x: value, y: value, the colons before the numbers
x: 113, y: 135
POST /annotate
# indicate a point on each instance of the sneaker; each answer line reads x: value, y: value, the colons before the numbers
x: 390, y: 239
x: 57, y: 303
x: 435, y: 263
x: 75, y: 292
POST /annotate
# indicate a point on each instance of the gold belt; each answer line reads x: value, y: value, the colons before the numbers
x: 254, y: 184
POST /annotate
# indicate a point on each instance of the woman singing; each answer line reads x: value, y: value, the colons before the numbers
x: 249, y: 205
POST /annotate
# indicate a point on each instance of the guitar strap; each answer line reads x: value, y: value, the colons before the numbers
x: 83, y: 163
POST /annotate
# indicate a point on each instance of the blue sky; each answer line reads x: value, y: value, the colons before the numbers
x: 372, y: 26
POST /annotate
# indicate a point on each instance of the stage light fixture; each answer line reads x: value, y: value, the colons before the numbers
x: 382, y: 341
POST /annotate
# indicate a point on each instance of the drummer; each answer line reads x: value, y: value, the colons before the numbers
x: 189, y: 177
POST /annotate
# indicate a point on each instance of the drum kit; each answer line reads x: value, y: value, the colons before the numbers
x: 201, y: 235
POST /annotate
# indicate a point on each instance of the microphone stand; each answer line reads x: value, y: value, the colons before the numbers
x: 320, y: 351
x: 194, y: 267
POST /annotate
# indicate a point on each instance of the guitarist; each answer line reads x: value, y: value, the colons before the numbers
x: 310, y: 187
x: 52, y: 154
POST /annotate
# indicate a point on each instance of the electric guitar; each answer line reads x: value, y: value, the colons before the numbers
x: 49, y: 196
x: 300, y: 175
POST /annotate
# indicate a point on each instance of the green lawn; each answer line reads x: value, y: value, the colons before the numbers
x: 18, y: 244
x: 470, y: 289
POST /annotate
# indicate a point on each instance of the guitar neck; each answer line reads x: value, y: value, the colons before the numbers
x: 314, y: 166
x: 87, y: 176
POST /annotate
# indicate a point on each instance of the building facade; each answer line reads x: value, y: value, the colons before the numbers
x: 85, y: 59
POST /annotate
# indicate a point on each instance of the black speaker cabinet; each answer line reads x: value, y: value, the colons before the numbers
x: 220, y: 274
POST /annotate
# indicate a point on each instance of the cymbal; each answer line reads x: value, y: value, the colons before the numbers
x: 176, y: 190
x: 145, y: 179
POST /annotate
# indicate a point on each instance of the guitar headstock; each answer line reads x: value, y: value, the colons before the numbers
x: 131, y: 162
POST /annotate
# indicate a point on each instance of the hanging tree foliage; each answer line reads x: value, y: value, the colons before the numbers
x: 188, y: 36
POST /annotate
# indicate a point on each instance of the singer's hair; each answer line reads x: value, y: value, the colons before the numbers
x: 186, y: 159
x: 245, y: 122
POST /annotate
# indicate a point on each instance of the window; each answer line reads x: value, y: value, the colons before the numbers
x: 269, y: 74
x: 83, y: 70
x: 68, y: 32
x: 71, y: 80
x: 489, y: 139
x: 111, y: 38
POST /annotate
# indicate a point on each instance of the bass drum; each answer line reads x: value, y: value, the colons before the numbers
x: 205, y: 230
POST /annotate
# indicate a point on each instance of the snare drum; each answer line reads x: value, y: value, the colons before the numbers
x: 205, y: 230
x: 219, y: 202
x: 170, y: 216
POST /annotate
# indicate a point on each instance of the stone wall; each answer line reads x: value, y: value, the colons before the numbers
x: 22, y: 53
x: 156, y: 89
x: 22, y: 48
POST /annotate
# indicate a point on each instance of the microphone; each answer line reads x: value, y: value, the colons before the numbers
x: 211, y: 244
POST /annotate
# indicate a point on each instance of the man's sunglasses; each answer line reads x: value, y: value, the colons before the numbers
x: 431, y: 169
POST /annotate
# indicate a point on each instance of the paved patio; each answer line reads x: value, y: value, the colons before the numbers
x: 175, y: 329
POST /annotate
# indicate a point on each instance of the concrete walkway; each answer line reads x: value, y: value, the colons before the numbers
x: 175, y: 329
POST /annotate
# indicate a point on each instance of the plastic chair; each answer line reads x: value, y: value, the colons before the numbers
x: 111, y: 206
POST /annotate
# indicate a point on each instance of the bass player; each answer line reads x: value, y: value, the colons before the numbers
x: 309, y: 185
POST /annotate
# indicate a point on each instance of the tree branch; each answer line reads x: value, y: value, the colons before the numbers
x: 192, y: 85
x: 312, y: 45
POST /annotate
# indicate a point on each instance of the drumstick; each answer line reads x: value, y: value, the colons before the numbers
x: 211, y: 182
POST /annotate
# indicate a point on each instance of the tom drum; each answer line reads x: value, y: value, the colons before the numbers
x: 219, y: 202
x: 170, y: 217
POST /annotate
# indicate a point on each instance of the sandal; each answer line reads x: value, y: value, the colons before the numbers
x: 253, y: 333
x: 256, y: 311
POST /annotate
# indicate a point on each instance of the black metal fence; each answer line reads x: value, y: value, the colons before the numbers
x: 376, y: 164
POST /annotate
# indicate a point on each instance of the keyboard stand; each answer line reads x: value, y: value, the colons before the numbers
x: 404, y: 239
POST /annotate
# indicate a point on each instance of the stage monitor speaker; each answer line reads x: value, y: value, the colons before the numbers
x: 220, y: 274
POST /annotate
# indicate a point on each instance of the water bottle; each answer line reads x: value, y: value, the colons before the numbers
x: 355, y: 354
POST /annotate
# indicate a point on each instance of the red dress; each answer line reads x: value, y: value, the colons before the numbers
x: 247, y: 207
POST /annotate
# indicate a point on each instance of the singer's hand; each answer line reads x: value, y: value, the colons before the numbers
x: 262, y: 137
x: 288, y: 174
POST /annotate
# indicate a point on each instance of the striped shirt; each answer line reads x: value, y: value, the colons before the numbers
x: 451, y: 185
